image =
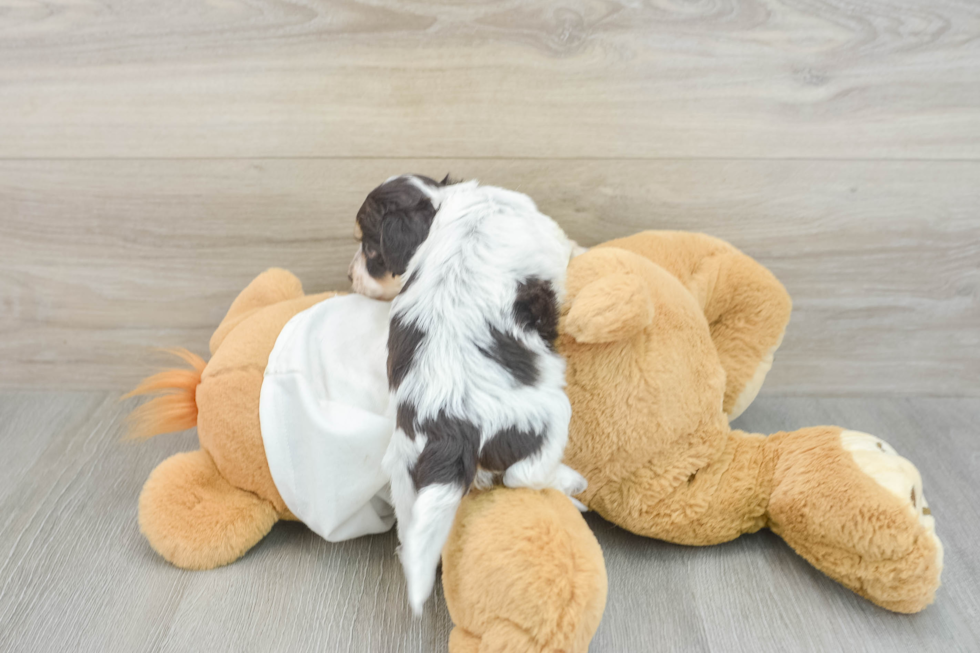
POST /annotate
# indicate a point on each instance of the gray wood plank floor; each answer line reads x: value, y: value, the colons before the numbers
x: 76, y: 575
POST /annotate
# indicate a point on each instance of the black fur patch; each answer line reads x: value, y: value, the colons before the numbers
x: 369, y: 218
x: 405, y: 420
x: 402, y: 231
x: 536, y: 308
x: 403, y: 341
x: 507, y: 447
x: 394, y: 220
x: 511, y: 354
x: 409, y: 280
x: 450, y: 453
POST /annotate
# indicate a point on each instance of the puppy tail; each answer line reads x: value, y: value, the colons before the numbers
x: 432, y: 519
x: 175, y: 406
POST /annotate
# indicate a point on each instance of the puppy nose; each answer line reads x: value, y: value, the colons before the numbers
x: 350, y: 277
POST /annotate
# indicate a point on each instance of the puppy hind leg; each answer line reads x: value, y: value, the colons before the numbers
x: 545, y: 468
x: 571, y: 483
x: 538, y: 473
x: 403, y: 498
x: 484, y: 479
x: 398, y: 461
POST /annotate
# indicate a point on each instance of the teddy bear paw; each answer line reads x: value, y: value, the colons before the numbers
x: 881, y: 462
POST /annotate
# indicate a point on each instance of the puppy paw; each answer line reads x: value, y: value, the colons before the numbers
x: 571, y: 482
x: 483, y: 480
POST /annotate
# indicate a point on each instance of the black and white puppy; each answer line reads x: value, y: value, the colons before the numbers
x: 477, y: 388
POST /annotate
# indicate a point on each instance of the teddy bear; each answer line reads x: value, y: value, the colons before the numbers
x: 667, y: 337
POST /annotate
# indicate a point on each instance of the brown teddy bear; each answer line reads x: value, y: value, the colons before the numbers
x: 667, y: 337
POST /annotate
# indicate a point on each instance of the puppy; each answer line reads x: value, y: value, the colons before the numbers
x: 476, y: 385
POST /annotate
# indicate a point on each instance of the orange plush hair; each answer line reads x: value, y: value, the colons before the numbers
x: 175, y: 409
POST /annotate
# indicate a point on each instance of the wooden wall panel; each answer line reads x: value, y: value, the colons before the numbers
x: 509, y: 78
x: 104, y: 259
x: 155, y: 156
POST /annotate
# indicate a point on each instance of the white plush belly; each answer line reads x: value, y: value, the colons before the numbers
x: 323, y: 413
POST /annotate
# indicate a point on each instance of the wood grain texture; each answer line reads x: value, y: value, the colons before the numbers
x: 103, y: 260
x: 506, y: 78
x: 75, y: 573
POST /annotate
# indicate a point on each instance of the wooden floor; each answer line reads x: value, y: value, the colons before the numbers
x: 76, y: 575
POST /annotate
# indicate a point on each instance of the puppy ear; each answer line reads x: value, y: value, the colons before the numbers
x: 609, y: 309
x: 401, y: 234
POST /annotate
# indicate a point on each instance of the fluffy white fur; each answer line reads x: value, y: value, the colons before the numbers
x: 464, y: 276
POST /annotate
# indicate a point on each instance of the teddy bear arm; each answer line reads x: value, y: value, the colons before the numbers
x: 522, y: 571
x: 609, y: 309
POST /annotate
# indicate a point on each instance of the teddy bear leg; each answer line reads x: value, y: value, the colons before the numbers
x: 195, y: 519
x: 701, y: 501
x: 522, y: 571
x: 747, y: 309
x: 849, y: 504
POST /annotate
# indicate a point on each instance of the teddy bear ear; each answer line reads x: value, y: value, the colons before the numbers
x: 611, y: 308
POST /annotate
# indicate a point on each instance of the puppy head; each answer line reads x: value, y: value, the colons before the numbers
x: 391, y: 224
